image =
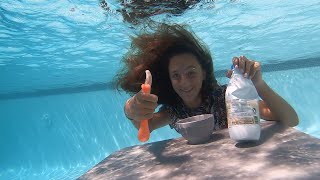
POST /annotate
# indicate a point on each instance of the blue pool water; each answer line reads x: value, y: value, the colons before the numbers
x: 59, y: 114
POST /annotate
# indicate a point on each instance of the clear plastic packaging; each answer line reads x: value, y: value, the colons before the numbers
x: 242, y: 102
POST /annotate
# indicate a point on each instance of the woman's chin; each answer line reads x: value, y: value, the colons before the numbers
x: 188, y: 100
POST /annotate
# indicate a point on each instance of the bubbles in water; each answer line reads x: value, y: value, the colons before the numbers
x: 47, y: 121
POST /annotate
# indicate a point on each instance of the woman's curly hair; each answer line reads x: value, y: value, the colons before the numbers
x: 153, y: 51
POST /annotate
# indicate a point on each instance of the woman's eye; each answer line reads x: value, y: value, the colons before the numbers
x: 175, y: 76
x: 191, y: 73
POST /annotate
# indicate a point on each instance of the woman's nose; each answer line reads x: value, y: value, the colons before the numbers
x: 184, y: 81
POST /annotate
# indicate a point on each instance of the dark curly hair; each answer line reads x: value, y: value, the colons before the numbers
x: 153, y: 51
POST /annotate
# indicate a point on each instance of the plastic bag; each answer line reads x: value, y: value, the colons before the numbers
x: 242, y: 102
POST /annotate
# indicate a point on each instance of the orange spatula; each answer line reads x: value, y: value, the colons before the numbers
x: 144, y: 132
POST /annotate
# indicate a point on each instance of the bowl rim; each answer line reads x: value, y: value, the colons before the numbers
x: 206, y: 116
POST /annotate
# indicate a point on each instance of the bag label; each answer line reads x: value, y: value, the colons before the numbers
x: 242, y: 111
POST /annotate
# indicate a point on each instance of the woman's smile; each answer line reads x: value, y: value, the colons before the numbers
x: 186, y: 91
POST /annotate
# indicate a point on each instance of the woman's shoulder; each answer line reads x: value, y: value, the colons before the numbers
x: 219, y: 107
x: 219, y: 90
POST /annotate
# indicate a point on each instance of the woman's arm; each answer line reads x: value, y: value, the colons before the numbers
x: 159, y: 120
x: 274, y: 107
x: 265, y: 112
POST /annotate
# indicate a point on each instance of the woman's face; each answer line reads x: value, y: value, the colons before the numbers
x: 186, y: 77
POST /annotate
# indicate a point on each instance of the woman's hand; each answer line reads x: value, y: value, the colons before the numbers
x: 250, y: 69
x: 272, y: 106
x: 141, y: 106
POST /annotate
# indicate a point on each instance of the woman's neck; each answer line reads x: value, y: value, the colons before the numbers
x: 194, y: 104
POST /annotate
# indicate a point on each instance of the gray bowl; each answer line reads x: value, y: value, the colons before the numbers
x: 196, y: 129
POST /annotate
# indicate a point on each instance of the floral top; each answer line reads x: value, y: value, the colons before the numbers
x: 213, y: 104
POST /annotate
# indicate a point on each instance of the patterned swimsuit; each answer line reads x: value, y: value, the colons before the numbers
x: 213, y: 104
